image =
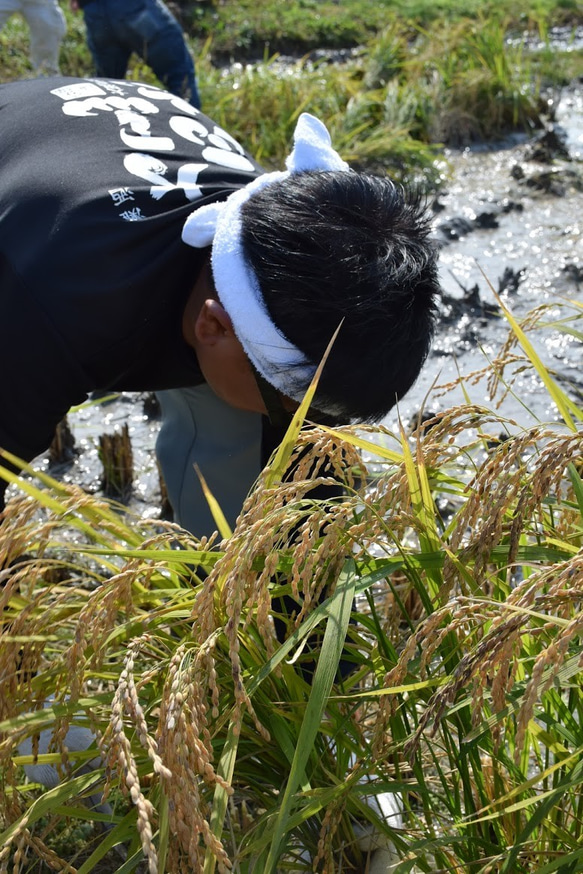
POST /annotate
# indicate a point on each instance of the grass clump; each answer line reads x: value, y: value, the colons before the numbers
x: 451, y: 584
x: 473, y: 84
x: 245, y: 29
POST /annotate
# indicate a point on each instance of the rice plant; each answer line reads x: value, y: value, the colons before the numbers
x: 250, y: 696
x: 469, y: 81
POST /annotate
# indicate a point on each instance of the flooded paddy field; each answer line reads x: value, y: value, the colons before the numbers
x: 510, y: 224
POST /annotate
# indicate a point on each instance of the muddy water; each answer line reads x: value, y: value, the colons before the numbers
x: 498, y: 230
x: 511, y: 222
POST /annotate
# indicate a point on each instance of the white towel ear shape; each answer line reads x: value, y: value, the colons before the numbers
x: 200, y: 226
x: 312, y: 151
x: 313, y: 147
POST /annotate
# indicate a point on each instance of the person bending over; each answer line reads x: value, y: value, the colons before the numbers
x: 142, y: 248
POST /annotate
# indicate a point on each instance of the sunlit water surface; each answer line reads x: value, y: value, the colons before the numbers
x: 539, y: 238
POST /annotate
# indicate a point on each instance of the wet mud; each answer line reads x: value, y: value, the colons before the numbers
x: 510, y: 229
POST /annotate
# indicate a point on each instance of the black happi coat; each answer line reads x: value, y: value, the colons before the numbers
x: 96, y: 180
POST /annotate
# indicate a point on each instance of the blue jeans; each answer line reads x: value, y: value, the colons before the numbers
x: 116, y: 28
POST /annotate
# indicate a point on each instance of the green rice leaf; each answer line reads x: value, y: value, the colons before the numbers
x: 282, y: 456
x: 339, y: 609
x: 577, y: 486
x: 48, y: 802
x: 563, y: 402
x: 220, y: 521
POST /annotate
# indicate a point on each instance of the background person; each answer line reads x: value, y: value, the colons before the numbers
x: 142, y: 249
x: 47, y: 25
x: 116, y: 28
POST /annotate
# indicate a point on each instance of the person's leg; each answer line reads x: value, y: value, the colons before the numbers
x: 47, y: 25
x: 110, y: 54
x: 225, y: 443
x: 157, y: 37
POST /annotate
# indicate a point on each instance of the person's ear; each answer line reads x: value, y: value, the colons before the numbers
x: 212, y: 323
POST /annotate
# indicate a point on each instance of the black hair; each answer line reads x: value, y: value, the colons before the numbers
x: 330, y: 247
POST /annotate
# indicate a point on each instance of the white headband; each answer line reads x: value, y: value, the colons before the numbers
x: 280, y: 362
